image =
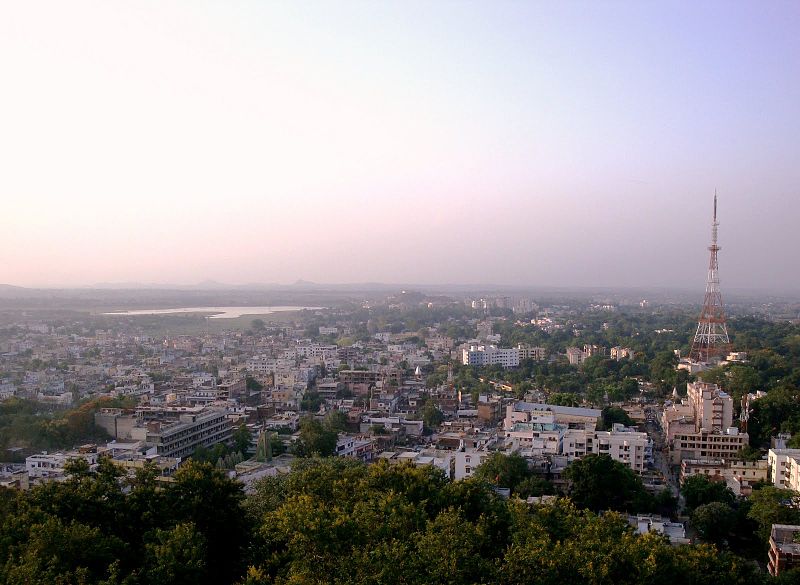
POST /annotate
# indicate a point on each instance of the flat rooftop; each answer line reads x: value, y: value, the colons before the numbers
x: 567, y: 410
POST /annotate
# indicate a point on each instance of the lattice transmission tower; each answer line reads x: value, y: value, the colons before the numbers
x: 711, y: 339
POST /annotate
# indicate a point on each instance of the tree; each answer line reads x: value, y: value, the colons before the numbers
x: 432, y: 417
x: 698, y: 490
x: 503, y: 470
x: 597, y: 482
x: 176, y: 556
x: 242, y: 439
x: 714, y: 521
x: 336, y: 421
x: 749, y: 453
x: 564, y: 399
x: 314, y: 439
x: 536, y: 487
x: 612, y: 415
x: 252, y: 384
x: 770, y: 505
x: 211, y: 501
x: 311, y: 401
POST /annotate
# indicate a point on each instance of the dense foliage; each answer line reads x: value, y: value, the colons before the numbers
x: 35, y: 426
x: 329, y: 521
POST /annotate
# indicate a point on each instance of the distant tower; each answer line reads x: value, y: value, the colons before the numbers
x: 711, y: 340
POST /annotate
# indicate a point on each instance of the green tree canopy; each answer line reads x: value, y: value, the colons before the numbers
x: 698, y: 490
x: 598, y: 482
x: 315, y: 439
x: 714, y: 521
x: 504, y: 470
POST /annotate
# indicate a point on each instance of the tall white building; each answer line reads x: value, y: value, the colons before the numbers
x: 784, y: 468
x: 489, y: 355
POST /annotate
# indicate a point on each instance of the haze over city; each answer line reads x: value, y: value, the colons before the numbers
x: 569, y: 144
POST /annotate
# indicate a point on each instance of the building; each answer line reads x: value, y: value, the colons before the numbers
x: 575, y: 356
x: 489, y: 411
x: 644, y: 523
x: 571, y: 417
x: 466, y: 462
x: 701, y: 426
x: 705, y: 444
x: 548, y: 430
x: 784, y: 468
x: 713, y: 408
x: 489, y: 355
x: 738, y: 474
x: 623, y: 444
x: 361, y: 448
x: 51, y: 465
x: 179, y: 438
x: 619, y: 353
x: 538, y: 354
x: 784, y: 548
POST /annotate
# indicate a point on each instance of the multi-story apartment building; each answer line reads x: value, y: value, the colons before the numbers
x: 179, y: 438
x: 622, y: 444
x: 489, y: 355
x: 550, y: 430
x: 618, y: 353
x: 575, y: 356
x: 784, y: 468
x: 538, y: 354
x: 705, y: 444
x: 701, y: 426
x: 571, y: 417
x: 713, y: 408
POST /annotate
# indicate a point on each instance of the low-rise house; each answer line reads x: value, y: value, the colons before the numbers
x: 784, y: 548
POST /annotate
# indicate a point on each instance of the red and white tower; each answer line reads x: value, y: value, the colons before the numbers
x: 711, y: 339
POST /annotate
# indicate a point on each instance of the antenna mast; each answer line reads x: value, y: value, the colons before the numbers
x: 711, y: 338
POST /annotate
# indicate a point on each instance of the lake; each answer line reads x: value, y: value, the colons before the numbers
x: 217, y: 312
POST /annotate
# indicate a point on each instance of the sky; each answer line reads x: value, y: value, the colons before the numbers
x: 516, y: 143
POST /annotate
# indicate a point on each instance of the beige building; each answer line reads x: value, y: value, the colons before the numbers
x: 705, y: 444
x: 713, y: 408
x: 739, y: 475
x: 538, y: 354
x: 701, y: 426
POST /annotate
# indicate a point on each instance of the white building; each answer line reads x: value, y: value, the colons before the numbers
x: 784, y: 468
x: 488, y: 355
x: 622, y: 444
x: 571, y: 417
x: 465, y: 462
x: 52, y: 464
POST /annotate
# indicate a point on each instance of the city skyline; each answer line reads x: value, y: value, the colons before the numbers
x: 566, y: 144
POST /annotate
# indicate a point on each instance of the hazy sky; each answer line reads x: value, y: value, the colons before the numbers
x: 550, y: 143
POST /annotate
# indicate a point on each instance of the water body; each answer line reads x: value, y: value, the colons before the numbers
x: 215, y: 312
